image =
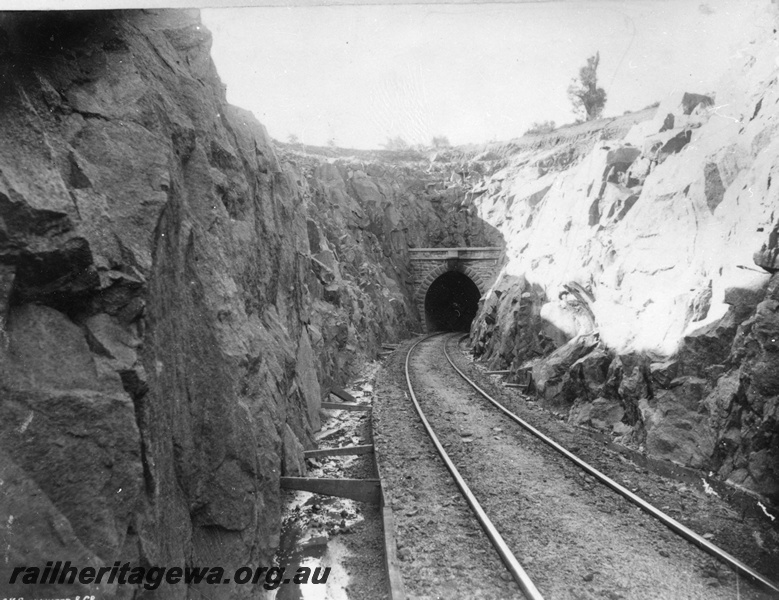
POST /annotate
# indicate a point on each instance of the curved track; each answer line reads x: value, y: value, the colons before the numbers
x: 518, y: 573
x: 512, y: 564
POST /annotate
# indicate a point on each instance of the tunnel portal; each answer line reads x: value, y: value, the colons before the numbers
x: 451, y: 302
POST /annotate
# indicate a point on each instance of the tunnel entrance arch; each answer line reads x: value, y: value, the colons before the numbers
x: 478, y: 264
x: 448, y: 298
x: 451, y: 303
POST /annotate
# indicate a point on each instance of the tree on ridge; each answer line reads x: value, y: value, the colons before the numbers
x: 587, y: 98
x: 397, y: 143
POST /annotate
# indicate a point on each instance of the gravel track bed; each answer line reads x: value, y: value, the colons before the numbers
x: 576, y: 538
x: 442, y: 550
x: 747, y: 534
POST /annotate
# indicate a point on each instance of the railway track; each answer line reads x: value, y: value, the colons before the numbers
x: 559, y: 525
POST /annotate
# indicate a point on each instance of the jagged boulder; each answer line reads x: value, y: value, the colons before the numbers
x: 639, y: 170
x: 664, y: 373
x: 692, y: 101
x: 549, y: 373
x: 618, y: 161
x: 760, y: 346
x: 629, y: 380
x: 586, y: 378
x: 513, y: 315
x: 768, y: 256
x: 707, y: 345
x: 601, y: 413
x: 677, y: 424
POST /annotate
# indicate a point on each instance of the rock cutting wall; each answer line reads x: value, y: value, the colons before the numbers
x: 639, y: 295
x: 175, y: 298
x: 177, y: 292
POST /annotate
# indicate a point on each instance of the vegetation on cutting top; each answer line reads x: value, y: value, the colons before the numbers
x: 587, y: 98
x: 541, y: 127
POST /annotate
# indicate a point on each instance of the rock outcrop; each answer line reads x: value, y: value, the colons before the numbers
x: 175, y: 300
x: 638, y: 292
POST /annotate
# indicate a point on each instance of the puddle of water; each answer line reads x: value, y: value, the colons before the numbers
x: 312, y: 524
x: 310, y: 547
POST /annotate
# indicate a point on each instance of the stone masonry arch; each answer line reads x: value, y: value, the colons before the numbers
x: 428, y: 264
x: 422, y: 290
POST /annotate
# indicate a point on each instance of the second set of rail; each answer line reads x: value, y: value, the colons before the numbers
x: 511, y: 562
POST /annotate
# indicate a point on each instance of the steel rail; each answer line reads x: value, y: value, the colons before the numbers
x: 668, y: 521
x: 512, y: 564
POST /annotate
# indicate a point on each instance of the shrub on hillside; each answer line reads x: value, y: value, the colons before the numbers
x: 541, y: 127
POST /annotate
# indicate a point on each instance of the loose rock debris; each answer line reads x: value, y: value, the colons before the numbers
x: 339, y: 532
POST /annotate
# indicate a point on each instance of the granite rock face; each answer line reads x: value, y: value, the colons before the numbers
x: 659, y: 238
x: 148, y: 374
x: 175, y: 300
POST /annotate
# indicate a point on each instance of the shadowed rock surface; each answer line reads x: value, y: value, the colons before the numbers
x: 174, y: 299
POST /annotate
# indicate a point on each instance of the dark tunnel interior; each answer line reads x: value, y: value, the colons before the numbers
x: 451, y: 303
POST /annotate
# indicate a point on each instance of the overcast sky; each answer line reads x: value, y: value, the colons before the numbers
x: 362, y: 74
